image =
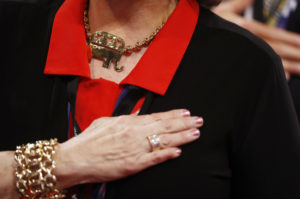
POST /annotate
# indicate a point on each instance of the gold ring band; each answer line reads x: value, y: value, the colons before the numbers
x: 155, y: 142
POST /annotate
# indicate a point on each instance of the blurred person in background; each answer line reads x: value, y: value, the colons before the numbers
x: 278, y: 23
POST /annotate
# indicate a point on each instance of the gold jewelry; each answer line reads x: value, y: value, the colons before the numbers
x: 34, y: 170
x: 109, y: 47
x: 155, y: 142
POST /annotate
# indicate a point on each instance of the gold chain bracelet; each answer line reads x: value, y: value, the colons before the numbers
x: 34, y: 170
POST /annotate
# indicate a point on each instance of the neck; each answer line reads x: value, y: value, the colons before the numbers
x: 133, y: 20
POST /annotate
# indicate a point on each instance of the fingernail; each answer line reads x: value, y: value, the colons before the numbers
x: 199, y: 120
x: 178, y: 152
x: 195, y: 133
x: 185, y: 113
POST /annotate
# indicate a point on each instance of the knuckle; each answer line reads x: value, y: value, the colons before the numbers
x: 155, y: 117
x: 166, y: 126
x: 96, y: 121
x: 124, y: 121
x: 188, y: 122
x: 169, y: 155
x: 157, y: 158
x: 93, y: 123
x: 176, y: 113
x: 146, y: 118
x: 164, y: 142
x: 110, y: 130
x: 122, y: 118
x: 126, y: 134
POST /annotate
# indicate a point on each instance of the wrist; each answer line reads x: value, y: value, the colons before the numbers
x: 34, y: 170
x: 7, y: 175
x: 68, y: 170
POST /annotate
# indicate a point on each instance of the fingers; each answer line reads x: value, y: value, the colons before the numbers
x: 151, y: 118
x: 174, y: 132
x: 177, y: 139
x: 137, y: 120
x: 287, y: 37
x: 287, y: 76
x: 271, y: 33
x: 285, y: 50
x: 231, y: 10
x: 167, y: 115
x: 156, y: 157
x: 234, y: 6
x: 174, y: 125
x: 291, y: 67
x: 168, y: 149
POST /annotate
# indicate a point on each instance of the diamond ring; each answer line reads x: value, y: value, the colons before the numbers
x: 155, y: 142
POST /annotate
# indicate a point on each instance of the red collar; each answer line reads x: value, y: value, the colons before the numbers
x: 68, y: 53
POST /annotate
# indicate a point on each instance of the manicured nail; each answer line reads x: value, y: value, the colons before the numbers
x: 178, y: 152
x: 199, y: 120
x: 195, y: 133
x: 185, y: 113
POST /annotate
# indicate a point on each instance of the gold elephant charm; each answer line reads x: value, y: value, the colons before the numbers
x: 107, y: 47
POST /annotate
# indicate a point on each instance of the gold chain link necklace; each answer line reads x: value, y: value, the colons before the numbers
x: 109, y: 47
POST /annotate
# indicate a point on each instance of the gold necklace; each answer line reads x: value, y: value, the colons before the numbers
x: 109, y: 47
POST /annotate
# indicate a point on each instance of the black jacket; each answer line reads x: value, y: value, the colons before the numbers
x: 250, y: 143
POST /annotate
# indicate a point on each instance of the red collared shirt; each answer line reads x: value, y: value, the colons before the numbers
x: 97, y: 97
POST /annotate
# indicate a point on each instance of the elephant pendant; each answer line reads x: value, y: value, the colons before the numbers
x: 107, y: 47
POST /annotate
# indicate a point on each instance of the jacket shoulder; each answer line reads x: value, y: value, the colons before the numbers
x: 234, y: 44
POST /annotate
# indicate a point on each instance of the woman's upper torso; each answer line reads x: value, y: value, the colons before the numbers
x: 250, y: 144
